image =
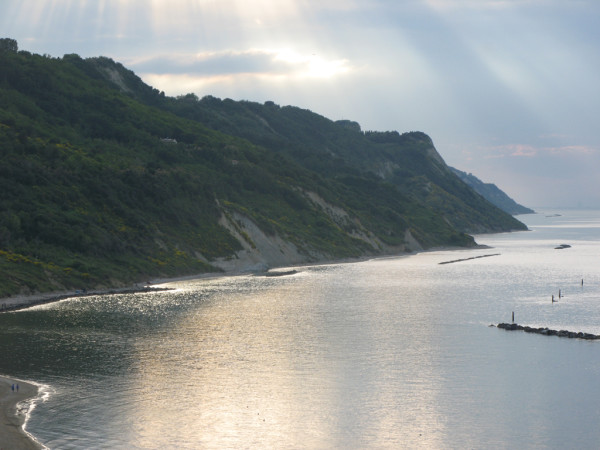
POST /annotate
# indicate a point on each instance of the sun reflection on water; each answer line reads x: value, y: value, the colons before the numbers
x: 389, y: 353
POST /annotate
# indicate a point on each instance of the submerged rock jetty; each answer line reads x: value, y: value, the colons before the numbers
x: 468, y: 259
x: 548, y: 332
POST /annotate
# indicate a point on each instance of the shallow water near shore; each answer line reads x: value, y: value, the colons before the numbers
x: 393, y: 352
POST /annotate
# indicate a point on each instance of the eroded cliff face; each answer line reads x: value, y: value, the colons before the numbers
x: 262, y: 251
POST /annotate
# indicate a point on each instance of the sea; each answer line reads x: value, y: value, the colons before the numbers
x: 396, y: 352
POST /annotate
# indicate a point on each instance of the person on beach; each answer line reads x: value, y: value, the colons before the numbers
x: 13, y: 387
x: 17, y: 388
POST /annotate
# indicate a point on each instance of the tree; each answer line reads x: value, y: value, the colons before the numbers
x: 8, y: 45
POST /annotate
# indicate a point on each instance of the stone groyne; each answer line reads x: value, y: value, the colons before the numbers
x: 468, y: 259
x: 548, y: 332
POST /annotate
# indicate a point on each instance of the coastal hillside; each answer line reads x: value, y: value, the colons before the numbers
x: 105, y: 181
x: 333, y: 149
x: 493, y: 194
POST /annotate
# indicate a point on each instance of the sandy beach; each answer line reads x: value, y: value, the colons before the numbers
x: 12, y: 435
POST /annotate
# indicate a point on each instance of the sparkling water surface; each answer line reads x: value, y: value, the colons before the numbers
x: 386, y: 353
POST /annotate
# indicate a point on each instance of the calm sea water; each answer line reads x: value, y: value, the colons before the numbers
x: 394, y: 353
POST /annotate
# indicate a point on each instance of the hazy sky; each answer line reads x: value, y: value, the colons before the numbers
x: 507, y: 89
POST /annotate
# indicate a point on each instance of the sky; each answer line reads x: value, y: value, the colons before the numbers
x: 508, y: 90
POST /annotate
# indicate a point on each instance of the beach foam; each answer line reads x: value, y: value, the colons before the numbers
x: 15, y: 409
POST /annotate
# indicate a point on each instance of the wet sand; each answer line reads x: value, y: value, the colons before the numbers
x: 12, y: 435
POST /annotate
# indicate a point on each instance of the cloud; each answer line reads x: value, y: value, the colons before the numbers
x: 530, y: 151
x: 207, y: 64
x: 524, y: 150
x: 211, y: 68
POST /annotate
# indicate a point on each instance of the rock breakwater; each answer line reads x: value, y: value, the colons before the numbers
x: 548, y: 332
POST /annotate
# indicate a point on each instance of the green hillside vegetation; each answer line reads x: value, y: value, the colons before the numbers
x: 408, y: 161
x: 94, y: 195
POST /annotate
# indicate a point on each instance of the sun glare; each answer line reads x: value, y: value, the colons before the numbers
x: 312, y: 65
x: 326, y: 69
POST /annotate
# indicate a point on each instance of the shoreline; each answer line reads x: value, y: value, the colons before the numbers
x: 21, y: 302
x: 13, y: 417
